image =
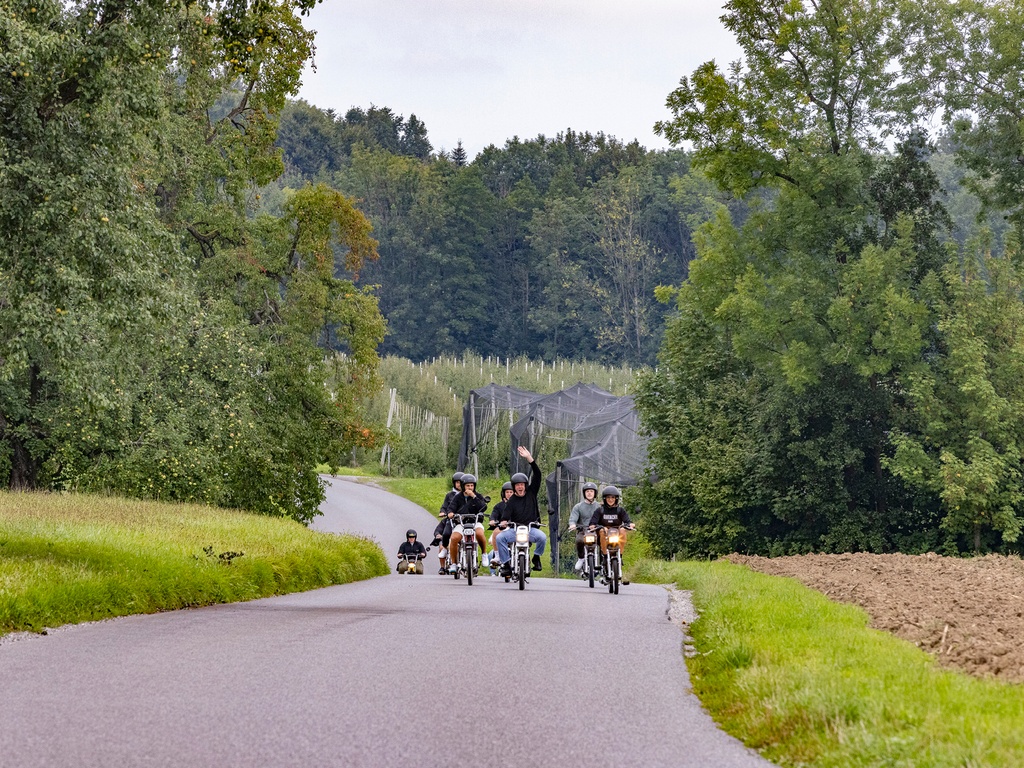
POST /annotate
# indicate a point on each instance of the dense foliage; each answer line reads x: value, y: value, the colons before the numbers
x: 547, y: 247
x: 156, y: 337
x: 844, y: 368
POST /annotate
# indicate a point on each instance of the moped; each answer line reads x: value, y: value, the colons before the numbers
x: 466, y: 560
x: 521, y: 555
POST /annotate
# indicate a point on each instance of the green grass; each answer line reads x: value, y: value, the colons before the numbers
x: 367, y: 470
x: 806, y: 682
x: 429, y: 492
x: 72, y: 558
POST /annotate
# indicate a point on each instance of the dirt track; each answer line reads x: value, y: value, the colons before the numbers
x: 968, y: 613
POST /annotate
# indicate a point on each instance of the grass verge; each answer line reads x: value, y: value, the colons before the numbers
x: 367, y: 470
x: 806, y: 682
x: 429, y: 492
x: 72, y: 558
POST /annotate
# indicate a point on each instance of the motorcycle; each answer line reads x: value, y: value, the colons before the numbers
x: 591, y: 557
x: 611, y: 561
x: 521, y: 555
x: 411, y: 563
x: 466, y: 560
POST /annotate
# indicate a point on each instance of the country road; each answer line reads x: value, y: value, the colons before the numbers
x: 421, y: 671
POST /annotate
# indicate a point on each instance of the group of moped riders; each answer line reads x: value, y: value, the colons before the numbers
x: 518, y: 506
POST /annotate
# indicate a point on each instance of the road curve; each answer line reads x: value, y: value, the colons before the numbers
x: 400, y: 670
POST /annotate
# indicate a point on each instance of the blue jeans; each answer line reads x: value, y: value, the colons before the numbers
x: 506, y: 537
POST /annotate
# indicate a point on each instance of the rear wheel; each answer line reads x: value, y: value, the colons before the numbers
x: 522, y: 571
x: 590, y: 569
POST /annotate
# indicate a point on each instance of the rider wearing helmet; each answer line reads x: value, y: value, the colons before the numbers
x: 496, y: 513
x: 579, y: 519
x: 443, y: 531
x: 469, y: 502
x: 522, y: 509
x: 611, y: 515
x: 412, y: 547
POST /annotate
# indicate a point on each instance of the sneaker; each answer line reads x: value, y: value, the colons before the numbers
x: 485, y: 561
x: 536, y: 563
x: 506, y: 569
x: 624, y: 582
x: 579, y: 565
x: 442, y: 571
x: 453, y: 568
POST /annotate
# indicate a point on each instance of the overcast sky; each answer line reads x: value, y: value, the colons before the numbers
x: 485, y: 70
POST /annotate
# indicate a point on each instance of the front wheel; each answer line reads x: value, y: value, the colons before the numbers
x: 468, y: 551
x: 590, y: 569
x: 522, y: 571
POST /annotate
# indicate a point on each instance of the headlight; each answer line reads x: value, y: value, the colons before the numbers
x: 589, y: 538
x: 522, y: 536
x: 613, y: 538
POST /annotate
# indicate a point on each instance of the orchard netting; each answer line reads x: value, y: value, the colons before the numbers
x: 588, y: 434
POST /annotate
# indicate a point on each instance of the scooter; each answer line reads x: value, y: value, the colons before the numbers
x: 410, y: 563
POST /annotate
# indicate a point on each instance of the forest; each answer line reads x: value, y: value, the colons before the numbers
x: 547, y: 247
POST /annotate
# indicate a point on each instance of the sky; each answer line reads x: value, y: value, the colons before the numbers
x: 483, y: 71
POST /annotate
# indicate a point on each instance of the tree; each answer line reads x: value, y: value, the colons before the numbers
x: 967, y: 61
x: 965, y: 441
x: 84, y: 258
x: 628, y: 260
x: 157, y: 339
x: 812, y: 309
x: 458, y: 155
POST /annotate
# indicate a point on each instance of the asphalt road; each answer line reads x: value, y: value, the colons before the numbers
x: 401, y: 670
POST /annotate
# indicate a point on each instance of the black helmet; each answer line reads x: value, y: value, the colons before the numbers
x: 456, y: 478
x: 589, y: 487
x: 467, y: 479
x: 610, y: 490
x: 519, y: 477
x: 410, y: 534
x: 506, y: 487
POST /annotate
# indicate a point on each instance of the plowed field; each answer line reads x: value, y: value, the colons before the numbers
x: 968, y: 613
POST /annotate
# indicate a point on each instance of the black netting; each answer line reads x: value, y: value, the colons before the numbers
x: 589, y: 434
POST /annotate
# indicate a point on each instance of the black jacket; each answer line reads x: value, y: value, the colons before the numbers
x: 468, y: 505
x: 523, y: 510
x: 412, y: 549
x: 496, y: 513
x: 447, y: 501
x: 611, y: 517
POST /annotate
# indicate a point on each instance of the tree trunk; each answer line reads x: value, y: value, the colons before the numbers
x: 24, y: 466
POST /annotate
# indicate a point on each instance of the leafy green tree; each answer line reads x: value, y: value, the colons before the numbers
x: 964, y: 443
x: 968, y: 61
x: 158, y: 340
x: 309, y: 140
x: 812, y: 306
x: 84, y: 258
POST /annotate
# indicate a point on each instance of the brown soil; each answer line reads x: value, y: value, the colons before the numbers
x: 968, y: 613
